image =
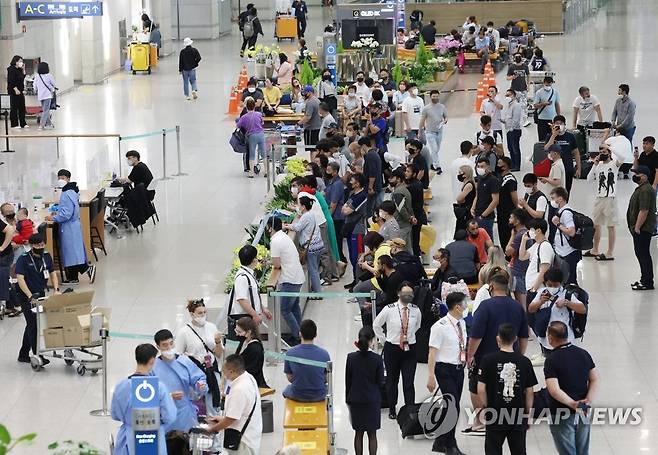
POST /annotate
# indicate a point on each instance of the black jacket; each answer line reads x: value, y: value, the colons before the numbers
x: 15, y: 78
x: 138, y: 205
x: 188, y: 59
x: 428, y: 32
x: 364, y: 376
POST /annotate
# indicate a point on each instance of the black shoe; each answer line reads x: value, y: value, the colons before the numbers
x: 44, y: 361
x: 392, y: 415
x: 71, y: 281
x: 350, y: 285
x: 454, y: 451
x: 437, y: 447
x: 439, y: 171
x: 24, y: 359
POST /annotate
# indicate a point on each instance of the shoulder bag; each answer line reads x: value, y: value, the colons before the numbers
x: 232, y: 320
x: 211, y: 379
x: 53, y: 92
x: 303, y: 252
x: 536, y: 114
x: 233, y: 437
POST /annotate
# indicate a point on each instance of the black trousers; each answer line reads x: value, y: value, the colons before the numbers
x: 415, y: 238
x: 399, y: 362
x: 641, y: 244
x: 338, y: 227
x: 504, y: 231
x: 17, y: 110
x: 569, y: 180
x: 543, y: 129
x: 311, y: 137
x: 451, y: 381
x: 301, y: 28
x: 73, y: 271
x: 573, y: 259
x: 30, y: 333
x: 495, y: 438
x: 248, y: 43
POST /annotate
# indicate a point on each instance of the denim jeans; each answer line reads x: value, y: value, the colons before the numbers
x: 354, y: 248
x: 412, y: 134
x: 189, y: 76
x: 290, y: 310
x: 434, y: 144
x: 514, y: 146
x: 44, y: 121
x: 571, y: 436
x: 573, y: 259
x: 628, y: 134
x: 486, y: 224
x: 313, y: 266
x: 256, y: 140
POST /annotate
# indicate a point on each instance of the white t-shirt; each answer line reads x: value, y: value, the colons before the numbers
x: 557, y: 314
x: 490, y: 109
x: 363, y: 92
x: 546, y: 255
x: 557, y: 172
x: 413, y: 106
x: 326, y: 121
x: 238, y: 406
x: 245, y: 288
x: 189, y: 344
x: 586, y: 112
x: 454, y: 171
x: 282, y: 247
x: 480, y: 296
x: 604, y: 176
x: 561, y: 240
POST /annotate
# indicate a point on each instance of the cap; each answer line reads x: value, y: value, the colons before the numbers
x: 188, y: 41
x: 555, y: 148
x: 642, y: 169
x: 308, y: 89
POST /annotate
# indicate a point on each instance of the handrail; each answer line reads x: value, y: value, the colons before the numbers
x: 34, y: 136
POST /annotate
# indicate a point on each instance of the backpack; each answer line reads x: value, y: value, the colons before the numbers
x: 584, y: 237
x: 557, y: 263
x: 248, y: 27
x: 411, y: 43
x: 578, y: 321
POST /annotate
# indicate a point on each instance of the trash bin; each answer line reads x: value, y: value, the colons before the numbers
x: 267, y: 410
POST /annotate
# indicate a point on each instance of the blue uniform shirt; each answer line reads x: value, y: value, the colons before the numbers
x: 32, y: 267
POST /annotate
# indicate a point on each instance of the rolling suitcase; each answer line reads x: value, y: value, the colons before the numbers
x: 581, y: 142
x: 285, y: 28
x: 408, y: 420
x: 139, y: 55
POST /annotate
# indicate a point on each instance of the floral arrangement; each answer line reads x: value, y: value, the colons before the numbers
x: 295, y: 167
x: 301, y: 56
x: 366, y: 44
x: 262, y: 271
x: 448, y: 45
x: 263, y: 54
x: 439, y: 63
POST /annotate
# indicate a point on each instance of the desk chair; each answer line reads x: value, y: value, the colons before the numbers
x: 96, y: 207
x: 153, y: 187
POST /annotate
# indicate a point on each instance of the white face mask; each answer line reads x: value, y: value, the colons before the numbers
x: 351, y: 94
x: 382, y: 214
x: 199, y: 320
x: 169, y: 355
x: 532, y: 234
x: 528, y: 191
x: 415, y: 92
x: 480, y: 171
x: 555, y: 205
x: 294, y: 191
x: 251, y: 89
x: 508, y: 99
x: 553, y: 291
x: 61, y: 183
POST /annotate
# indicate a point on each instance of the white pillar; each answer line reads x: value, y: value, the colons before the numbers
x: 92, y: 50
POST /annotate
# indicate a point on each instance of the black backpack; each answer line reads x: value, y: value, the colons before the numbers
x: 577, y: 321
x: 584, y: 237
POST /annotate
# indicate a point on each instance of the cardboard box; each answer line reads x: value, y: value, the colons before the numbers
x: 73, y: 321
x: 76, y: 336
x: 53, y: 338
x: 62, y: 310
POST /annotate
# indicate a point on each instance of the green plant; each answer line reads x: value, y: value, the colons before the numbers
x: 423, y: 56
x: 7, y: 444
x: 339, y: 47
x: 73, y: 448
x: 307, y: 74
x: 396, y: 73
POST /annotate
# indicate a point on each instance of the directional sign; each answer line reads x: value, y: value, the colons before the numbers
x: 145, y: 401
x: 58, y: 10
x: 330, y: 59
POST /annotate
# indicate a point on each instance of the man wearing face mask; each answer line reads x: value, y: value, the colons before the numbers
x: 414, y: 148
x: 411, y: 112
x: 184, y: 380
x: 623, y: 114
x: 540, y: 258
x: 446, y: 362
x: 254, y: 92
x: 493, y: 107
x: 324, y: 111
x: 7, y: 232
x: 513, y: 124
x: 312, y: 122
x: 362, y: 90
x: 519, y: 75
x: 73, y: 253
x: 432, y: 120
x: 547, y: 106
x: 388, y: 86
x: 33, y: 270
x: 402, y: 320
x: 508, y: 199
x: 487, y: 196
x: 566, y: 228
x: 140, y: 173
x: 122, y: 410
x: 404, y: 213
x: 568, y: 148
x: 534, y: 202
x: 641, y: 221
x: 604, y: 175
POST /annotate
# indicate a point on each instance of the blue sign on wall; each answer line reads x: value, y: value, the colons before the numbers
x: 145, y: 401
x: 330, y: 59
x: 58, y: 10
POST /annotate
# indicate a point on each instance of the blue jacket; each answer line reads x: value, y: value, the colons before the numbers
x: 72, y: 246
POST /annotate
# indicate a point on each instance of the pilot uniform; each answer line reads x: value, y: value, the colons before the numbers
x: 402, y: 322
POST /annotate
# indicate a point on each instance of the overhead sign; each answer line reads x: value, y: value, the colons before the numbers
x: 366, y: 13
x: 145, y: 401
x: 58, y: 10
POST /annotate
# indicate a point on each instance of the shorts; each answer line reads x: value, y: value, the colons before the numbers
x: 473, y: 378
x: 518, y: 284
x: 605, y: 211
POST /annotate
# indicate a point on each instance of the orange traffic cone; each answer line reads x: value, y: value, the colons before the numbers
x: 243, y: 79
x: 481, y: 94
x: 233, y: 102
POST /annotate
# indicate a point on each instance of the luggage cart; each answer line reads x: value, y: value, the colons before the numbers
x: 92, y: 361
x: 285, y: 27
x: 594, y: 138
x: 279, y: 138
x: 201, y: 440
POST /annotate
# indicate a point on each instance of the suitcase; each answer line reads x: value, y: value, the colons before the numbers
x: 153, y: 55
x: 285, y: 28
x: 408, y: 420
x: 538, y: 153
x: 581, y: 142
x: 139, y: 55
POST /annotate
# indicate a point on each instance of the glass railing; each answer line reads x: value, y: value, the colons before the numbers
x: 577, y: 11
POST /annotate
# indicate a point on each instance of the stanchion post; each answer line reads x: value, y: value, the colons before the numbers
x: 330, y: 408
x: 7, y: 149
x: 103, y: 412
x: 164, y: 155
x: 119, y: 148
x: 57, y: 139
x: 179, y: 173
x: 373, y: 301
x: 268, y: 157
x: 277, y: 323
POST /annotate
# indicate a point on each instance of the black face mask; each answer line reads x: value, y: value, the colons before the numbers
x: 637, y: 179
x: 359, y: 79
x: 517, y: 59
x: 37, y: 251
x: 461, y: 178
x: 326, y: 77
x: 604, y: 156
x: 10, y: 217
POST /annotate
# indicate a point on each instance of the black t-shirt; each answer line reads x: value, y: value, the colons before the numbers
x: 389, y: 285
x: 651, y: 161
x: 32, y: 267
x: 567, y: 143
x: 372, y: 167
x: 7, y: 251
x: 521, y: 70
x: 428, y: 32
x: 570, y: 365
x: 507, y: 187
x: 487, y: 185
x: 490, y: 315
x: 506, y: 375
x: 421, y: 162
x: 140, y: 173
x: 417, y: 201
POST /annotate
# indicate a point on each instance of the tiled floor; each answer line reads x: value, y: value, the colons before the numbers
x: 146, y: 278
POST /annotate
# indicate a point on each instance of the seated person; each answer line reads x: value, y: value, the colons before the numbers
x: 479, y: 237
x: 140, y: 173
x: 352, y: 107
x: 253, y: 91
x: 443, y: 271
x: 271, y: 97
x: 307, y: 382
x: 468, y: 38
x: 464, y: 258
x: 407, y: 264
x: 400, y: 36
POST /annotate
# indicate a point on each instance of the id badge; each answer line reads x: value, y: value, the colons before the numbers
x: 45, y: 274
x: 405, y: 346
x: 462, y: 357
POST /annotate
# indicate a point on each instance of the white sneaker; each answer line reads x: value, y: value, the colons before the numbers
x: 27, y: 127
x: 40, y: 128
x: 188, y: 98
x: 16, y: 128
x: 194, y: 94
x: 357, y: 318
x: 537, y: 360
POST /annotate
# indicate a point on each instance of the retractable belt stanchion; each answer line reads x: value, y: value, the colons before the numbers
x: 164, y: 155
x: 119, y: 148
x: 5, y: 113
x: 104, y: 411
x: 180, y: 172
x: 330, y: 408
x: 269, y: 157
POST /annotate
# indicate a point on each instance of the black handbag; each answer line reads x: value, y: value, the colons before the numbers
x: 233, y: 437
x: 211, y: 379
x: 462, y: 212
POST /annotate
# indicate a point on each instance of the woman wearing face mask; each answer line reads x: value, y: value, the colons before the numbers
x: 389, y: 228
x: 465, y: 198
x: 352, y: 107
x: 284, y: 72
x: 297, y: 99
x: 326, y: 91
x: 16, y: 90
x: 402, y: 320
x: 364, y: 376
x: 251, y: 349
x: 252, y: 123
x: 202, y: 343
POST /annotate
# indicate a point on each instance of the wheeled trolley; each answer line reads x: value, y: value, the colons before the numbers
x: 285, y: 27
x: 201, y: 440
x: 594, y: 138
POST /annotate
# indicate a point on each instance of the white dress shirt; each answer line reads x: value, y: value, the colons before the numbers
x: 391, y: 315
x: 444, y: 336
x: 282, y: 247
x: 245, y: 288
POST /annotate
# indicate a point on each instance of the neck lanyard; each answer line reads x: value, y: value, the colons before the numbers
x: 460, y: 335
x: 43, y: 265
x: 404, y: 327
